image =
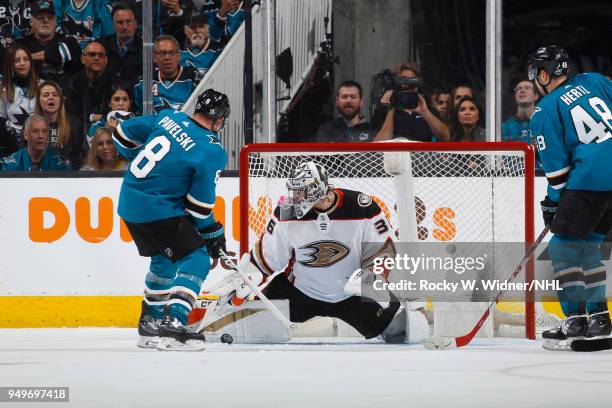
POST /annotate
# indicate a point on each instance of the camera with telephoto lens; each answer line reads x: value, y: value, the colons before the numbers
x: 405, y: 92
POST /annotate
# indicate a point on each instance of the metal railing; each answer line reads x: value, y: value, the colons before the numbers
x: 300, y: 26
x: 226, y: 75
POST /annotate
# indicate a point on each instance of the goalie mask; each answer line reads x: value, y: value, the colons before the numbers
x: 307, y: 184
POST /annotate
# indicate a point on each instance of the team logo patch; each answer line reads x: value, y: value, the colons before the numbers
x: 324, y: 253
x: 168, y: 252
x: 364, y: 200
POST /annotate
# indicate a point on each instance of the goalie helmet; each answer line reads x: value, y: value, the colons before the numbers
x: 213, y: 104
x: 306, y: 185
x: 552, y: 59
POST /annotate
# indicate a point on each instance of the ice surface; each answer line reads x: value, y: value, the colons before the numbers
x: 104, y: 368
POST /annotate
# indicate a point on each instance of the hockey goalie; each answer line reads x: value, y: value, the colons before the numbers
x: 322, y: 237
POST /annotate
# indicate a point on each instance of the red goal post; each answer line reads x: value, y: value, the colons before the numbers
x: 466, y: 174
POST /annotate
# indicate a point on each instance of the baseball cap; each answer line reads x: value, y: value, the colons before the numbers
x: 198, y: 20
x: 42, y: 6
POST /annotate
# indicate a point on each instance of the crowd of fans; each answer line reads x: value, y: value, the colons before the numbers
x: 75, y: 67
x: 72, y: 71
x: 405, y: 111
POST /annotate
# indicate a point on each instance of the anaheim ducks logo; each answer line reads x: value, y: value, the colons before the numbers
x: 324, y: 253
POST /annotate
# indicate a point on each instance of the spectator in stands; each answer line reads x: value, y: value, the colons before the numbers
x: 64, y: 132
x: 172, y: 83
x: 103, y: 155
x: 84, y: 20
x: 88, y: 90
x: 227, y: 20
x: 349, y: 127
x: 120, y: 105
x: 14, y: 21
x: 37, y: 156
x: 442, y: 105
x: 468, y: 121
x: 124, y: 48
x: 55, y: 56
x: 419, y: 124
x: 461, y: 91
x: 200, y: 52
x: 18, y: 96
x: 516, y: 128
x: 169, y: 17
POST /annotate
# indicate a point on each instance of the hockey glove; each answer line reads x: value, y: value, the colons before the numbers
x: 549, y: 209
x: 214, y: 236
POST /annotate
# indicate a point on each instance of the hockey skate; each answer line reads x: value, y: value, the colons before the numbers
x: 598, y: 335
x: 575, y: 327
x: 174, y: 336
x: 148, y: 329
x: 599, y: 325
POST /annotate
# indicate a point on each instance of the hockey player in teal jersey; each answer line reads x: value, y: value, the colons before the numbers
x: 572, y: 125
x: 166, y: 200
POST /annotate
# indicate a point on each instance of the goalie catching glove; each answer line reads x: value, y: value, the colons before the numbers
x: 214, y: 237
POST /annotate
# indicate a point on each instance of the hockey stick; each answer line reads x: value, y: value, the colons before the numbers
x: 291, y: 327
x: 443, y: 343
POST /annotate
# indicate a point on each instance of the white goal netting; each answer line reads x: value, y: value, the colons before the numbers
x: 459, y: 196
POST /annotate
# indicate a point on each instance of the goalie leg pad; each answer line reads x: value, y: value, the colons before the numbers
x: 249, y: 323
x: 408, y: 326
x: 418, y: 327
x: 396, y: 330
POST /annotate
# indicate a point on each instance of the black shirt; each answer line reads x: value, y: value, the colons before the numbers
x: 338, y: 131
x: 410, y: 125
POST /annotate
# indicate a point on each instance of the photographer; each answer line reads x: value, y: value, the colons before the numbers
x: 405, y: 110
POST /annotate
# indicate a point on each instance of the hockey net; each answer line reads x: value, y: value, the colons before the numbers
x: 468, y: 192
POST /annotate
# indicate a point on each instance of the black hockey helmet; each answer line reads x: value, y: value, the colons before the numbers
x: 213, y: 104
x: 553, y: 59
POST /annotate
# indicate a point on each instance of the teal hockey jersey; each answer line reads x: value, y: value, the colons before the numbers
x: 21, y: 161
x: 174, y: 169
x: 168, y: 94
x: 573, y: 130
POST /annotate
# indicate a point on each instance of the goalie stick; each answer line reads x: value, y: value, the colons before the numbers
x: 443, y: 343
x: 216, y: 306
x: 291, y: 327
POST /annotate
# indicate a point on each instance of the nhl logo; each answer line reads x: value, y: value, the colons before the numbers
x: 168, y: 252
x: 364, y: 200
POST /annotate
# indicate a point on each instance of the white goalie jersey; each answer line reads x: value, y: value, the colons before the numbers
x: 321, y: 250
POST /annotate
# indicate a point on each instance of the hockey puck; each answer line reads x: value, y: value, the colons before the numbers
x: 226, y: 338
